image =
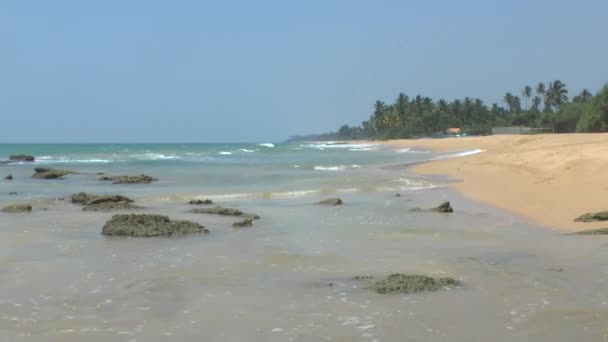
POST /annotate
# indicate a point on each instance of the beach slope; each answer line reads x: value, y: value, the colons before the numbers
x: 549, y: 179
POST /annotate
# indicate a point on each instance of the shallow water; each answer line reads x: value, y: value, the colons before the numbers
x: 60, y: 280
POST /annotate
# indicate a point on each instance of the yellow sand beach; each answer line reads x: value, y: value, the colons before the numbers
x: 549, y: 179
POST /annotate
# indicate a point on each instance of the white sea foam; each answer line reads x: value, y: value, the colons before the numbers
x: 154, y: 156
x: 66, y: 160
x: 266, y: 144
x: 225, y: 153
x: 333, y: 145
x: 456, y: 154
x: 329, y: 168
x: 246, y: 150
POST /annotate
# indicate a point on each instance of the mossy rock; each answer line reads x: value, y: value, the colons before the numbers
x: 247, y: 222
x: 111, y: 206
x: 140, y: 179
x: 444, y: 207
x: 48, y: 173
x: 599, y: 231
x: 17, y: 208
x: 331, y: 202
x: 593, y: 217
x: 93, y: 202
x: 218, y: 210
x: 149, y: 225
x: 201, y: 202
x: 412, y: 283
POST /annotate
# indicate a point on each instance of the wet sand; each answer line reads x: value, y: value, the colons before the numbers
x: 548, y: 179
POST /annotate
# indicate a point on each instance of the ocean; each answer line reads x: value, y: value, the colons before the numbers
x: 289, y: 277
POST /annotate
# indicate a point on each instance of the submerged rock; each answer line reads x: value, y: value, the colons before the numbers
x: 140, y: 179
x: 17, y: 208
x: 12, y: 193
x: 21, y: 157
x: 9, y: 177
x: 218, y: 210
x: 412, y: 283
x: 599, y: 231
x: 397, y: 195
x: 593, y: 217
x: 200, y: 202
x: 331, y: 201
x: 48, y: 173
x: 247, y: 222
x: 93, y: 202
x: 149, y: 225
x: 363, y: 277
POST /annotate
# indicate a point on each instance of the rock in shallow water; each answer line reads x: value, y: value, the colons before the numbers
x: 149, y: 225
x: 599, y: 231
x: 444, y: 207
x: 93, y: 202
x: 331, y: 201
x: 200, y: 202
x: 593, y: 217
x: 17, y: 208
x: 9, y: 177
x: 247, y: 222
x: 218, y: 211
x: 48, y: 173
x: 140, y: 179
x: 21, y: 157
x: 412, y: 283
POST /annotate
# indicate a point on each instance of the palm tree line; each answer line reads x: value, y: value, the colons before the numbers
x: 422, y: 116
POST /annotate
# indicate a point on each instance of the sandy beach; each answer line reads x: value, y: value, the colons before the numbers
x: 549, y: 179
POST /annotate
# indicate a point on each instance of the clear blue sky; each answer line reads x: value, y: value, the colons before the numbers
x: 211, y: 71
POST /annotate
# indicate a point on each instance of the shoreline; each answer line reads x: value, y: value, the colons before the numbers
x: 548, y: 179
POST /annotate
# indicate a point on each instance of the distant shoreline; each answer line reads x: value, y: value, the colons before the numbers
x: 549, y: 179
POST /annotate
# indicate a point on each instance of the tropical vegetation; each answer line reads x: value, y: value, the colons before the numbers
x: 545, y: 108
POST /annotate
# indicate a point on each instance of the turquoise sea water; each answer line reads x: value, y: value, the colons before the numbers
x: 215, y: 170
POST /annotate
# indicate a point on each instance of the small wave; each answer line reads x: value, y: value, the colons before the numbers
x: 329, y: 168
x: 266, y: 144
x: 352, y: 147
x: 225, y: 153
x: 246, y: 150
x: 64, y: 160
x: 153, y: 156
x: 410, y: 150
x: 456, y: 154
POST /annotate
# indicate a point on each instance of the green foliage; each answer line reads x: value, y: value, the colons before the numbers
x: 421, y: 116
x: 567, y: 117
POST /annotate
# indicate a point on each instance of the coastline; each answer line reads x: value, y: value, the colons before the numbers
x: 548, y: 179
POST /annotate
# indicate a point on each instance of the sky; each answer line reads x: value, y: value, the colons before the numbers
x: 258, y: 71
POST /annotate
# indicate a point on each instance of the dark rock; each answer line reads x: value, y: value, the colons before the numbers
x: 9, y: 177
x: 12, y: 193
x: 397, y: 195
x: 362, y: 277
x: 599, y: 231
x: 93, y: 202
x: 593, y: 217
x: 48, y: 173
x: 111, y: 206
x: 218, y: 211
x: 17, y: 208
x: 21, y: 157
x: 141, y: 179
x: 330, y: 201
x: 444, y: 207
x: 200, y: 202
x: 412, y: 283
x: 247, y: 222
x: 149, y: 225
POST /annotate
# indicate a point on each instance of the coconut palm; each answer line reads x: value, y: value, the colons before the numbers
x: 526, y: 93
x: 540, y: 89
x: 583, y: 96
x: 508, y: 100
x: 536, y: 102
x: 555, y: 95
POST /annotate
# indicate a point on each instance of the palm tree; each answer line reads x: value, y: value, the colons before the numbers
x: 556, y: 94
x: 508, y: 100
x: 540, y: 89
x: 583, y: 96
x: 401, y: 107
x: 526, y: 93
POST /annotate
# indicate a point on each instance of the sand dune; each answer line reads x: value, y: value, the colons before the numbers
x: 550, y: 179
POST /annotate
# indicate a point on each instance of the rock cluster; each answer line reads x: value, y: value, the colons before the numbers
x: 140, y: 179
x: 412, y: 283
x: 17, y: 208
x: 93, y: 202
x: 48, y: 173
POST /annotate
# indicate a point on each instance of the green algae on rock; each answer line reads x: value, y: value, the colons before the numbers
x: 411, y: 283
x: 149, y: 225
x: 247, y: 222
x: 140, y: 179
x: 598, y: 231
x: 593, y: 217
x: 93, y: 202
x: 218, y: 210
x: 48, y: 173
x: 17, y: 208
